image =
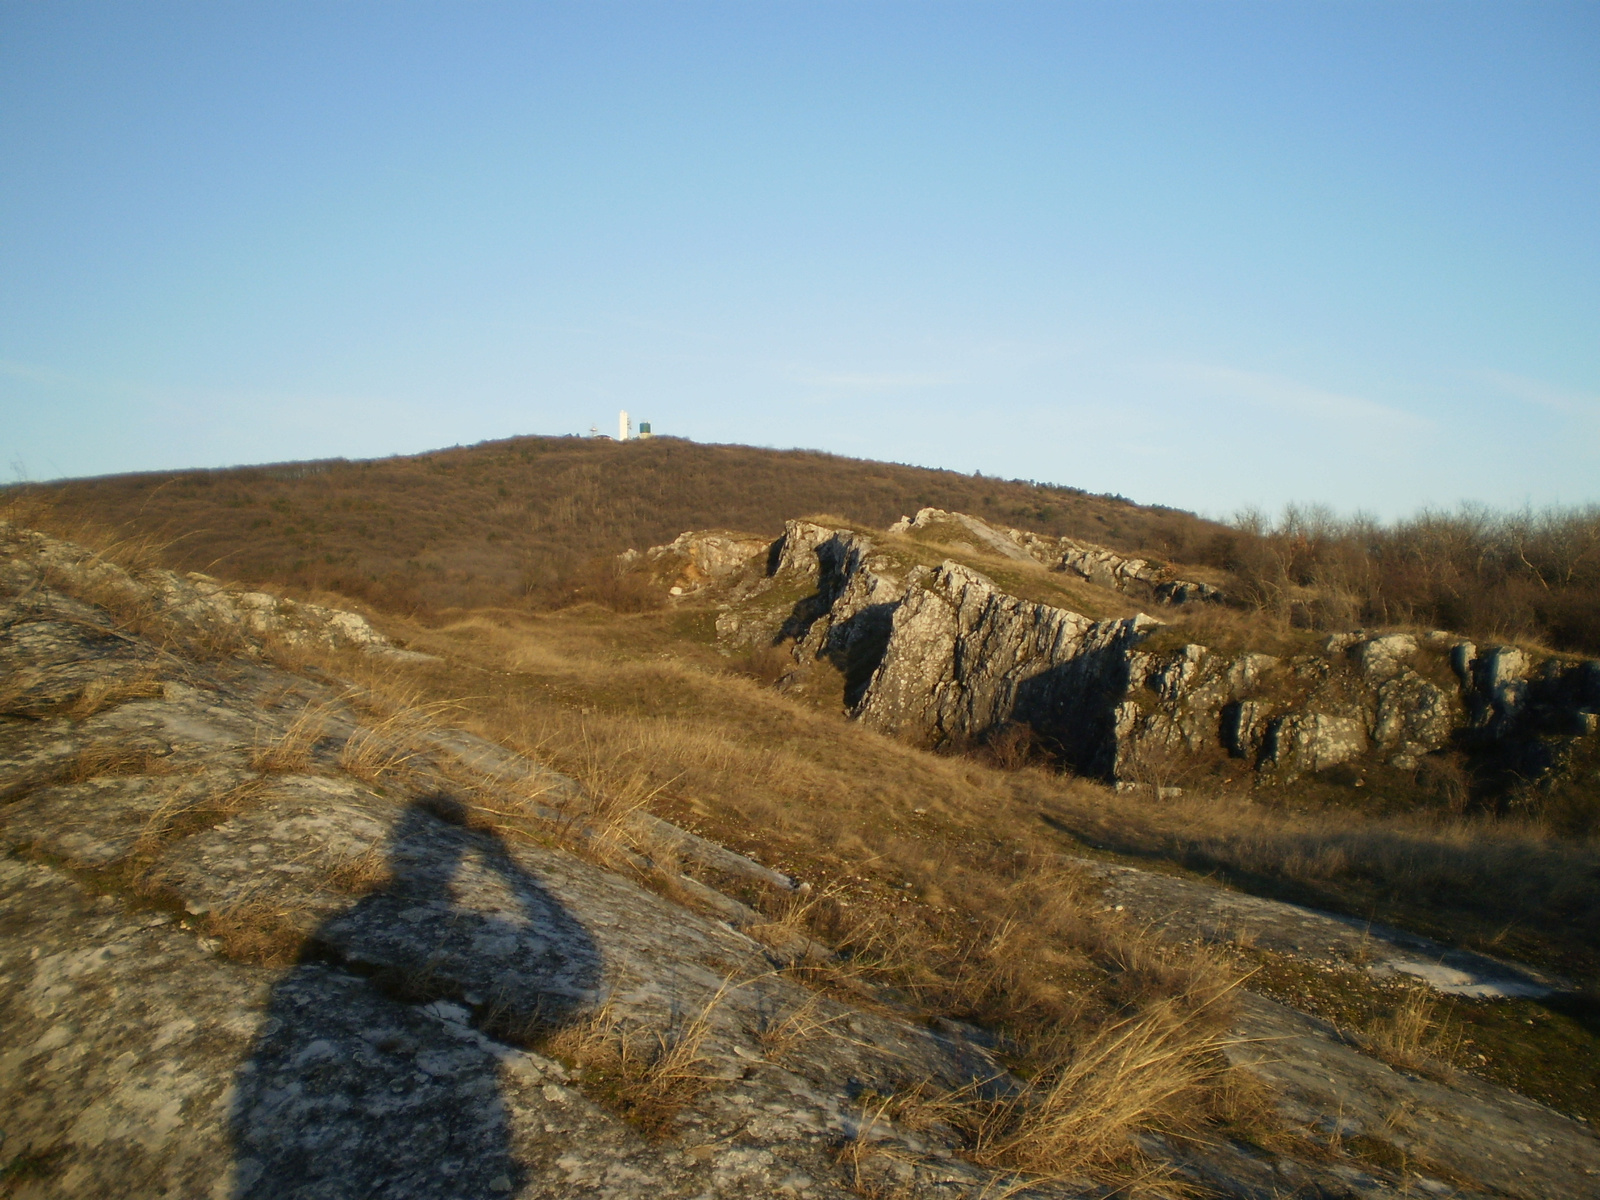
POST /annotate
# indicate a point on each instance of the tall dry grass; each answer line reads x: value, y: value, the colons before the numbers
x: 764, y: 773
x: 1073, y: 1116
x: 936, y: 881
x: 1416, y: 1035
x: 926, y: 874
x: 650, y: 1075
x: 292, y: 750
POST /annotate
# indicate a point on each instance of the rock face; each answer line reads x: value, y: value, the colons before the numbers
x: 694, y: 559
x: 963, y: 658
x: 941, y: 654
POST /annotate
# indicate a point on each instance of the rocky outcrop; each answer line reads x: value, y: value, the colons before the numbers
x: 193, y: 605
x: 1096, y: 564
x: 231, y: 968
x: 940, y: 654
x: 827, y: 593
x: 963, y: 658
x: 694, y: 559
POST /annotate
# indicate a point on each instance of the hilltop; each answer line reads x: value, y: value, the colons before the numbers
x: 517, y: 521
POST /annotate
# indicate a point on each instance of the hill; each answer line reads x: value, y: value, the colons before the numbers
x: 517, y: 521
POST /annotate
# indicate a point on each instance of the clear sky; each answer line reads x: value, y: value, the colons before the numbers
x: 1200, y: 254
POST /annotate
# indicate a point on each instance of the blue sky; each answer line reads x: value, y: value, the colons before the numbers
x: 1199, y: 254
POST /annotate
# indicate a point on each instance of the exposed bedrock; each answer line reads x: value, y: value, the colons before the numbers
x: 963, y: 658
x: 1096, y: 564
x: 942, y: 654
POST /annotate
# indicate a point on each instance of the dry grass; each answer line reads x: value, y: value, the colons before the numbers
x: 930, y: 878
x: 257, y: 932
x: 648, y: 1075
x: 767, y: 664
x: 139, y: 608
x: 1087, y: 1087
x: 376, y: 752
x: 1075, y: 1114
x: 869, y: 1162
x: 1231, y: 630
x: 179, y: 814
x: 292, y: 750
x: 102, y: 759
x: 1507, y: 885
x: 954, y: 909
x: 360, y: 874
x: 98, y: 695
x: 936, y: 881
x: 15, y: 689
x: 792, y: 920
x: 782, y: 1036
x: 1415, y: 1036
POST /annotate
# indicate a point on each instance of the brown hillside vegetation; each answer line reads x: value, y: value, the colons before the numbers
x: 532, y: 522
x: 516, y: 521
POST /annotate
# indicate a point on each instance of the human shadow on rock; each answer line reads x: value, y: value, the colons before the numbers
x: 374, y: 1074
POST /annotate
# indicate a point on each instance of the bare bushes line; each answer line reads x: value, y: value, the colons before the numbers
x: 1529, y: 575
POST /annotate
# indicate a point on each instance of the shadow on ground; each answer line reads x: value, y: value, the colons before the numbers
x: 372, y: 1075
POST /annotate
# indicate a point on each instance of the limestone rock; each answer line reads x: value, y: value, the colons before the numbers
x: 1305, y: 742
x: 963, y: 658
x: 225, y: 978
x: 1094, y: 563
x: 941, y: 655
x: 194, y: 604
x: 219, y: 979
x: 1413, y: 713
x: 1382, y: 658
x: 698, y: 558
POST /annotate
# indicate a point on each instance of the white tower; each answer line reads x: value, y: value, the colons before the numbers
x: 624, y: 426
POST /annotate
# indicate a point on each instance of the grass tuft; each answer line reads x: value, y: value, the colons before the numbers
x: 647, y: 1075
x: 292, y: 750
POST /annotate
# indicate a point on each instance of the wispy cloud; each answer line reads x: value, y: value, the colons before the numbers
x: 1290, y: 396
x: 33, y: 373
x: 1544, y: 395
x: 876, y: 381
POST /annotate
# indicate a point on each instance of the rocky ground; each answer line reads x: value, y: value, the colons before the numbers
x: 1489, y: 1136
x: 254, y: 946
